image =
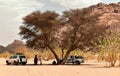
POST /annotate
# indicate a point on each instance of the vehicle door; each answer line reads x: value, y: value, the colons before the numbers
x: 10, y: 59
x: 14, y: 58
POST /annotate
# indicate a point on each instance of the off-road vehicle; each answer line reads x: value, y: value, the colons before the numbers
x: 17, y: 59
x: 72, y: 59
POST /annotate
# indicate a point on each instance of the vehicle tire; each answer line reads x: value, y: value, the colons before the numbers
x: 16, y: 63
x: 23, y: 63
x: 77, y: 62
x: 7, y: 63
x: 54, y: 62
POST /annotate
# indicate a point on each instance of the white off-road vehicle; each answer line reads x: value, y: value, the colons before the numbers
x: 75, y: 59
x: 72, y: 59
x: 17, y: 59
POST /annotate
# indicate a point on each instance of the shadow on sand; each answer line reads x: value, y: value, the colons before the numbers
x: 85, y: 64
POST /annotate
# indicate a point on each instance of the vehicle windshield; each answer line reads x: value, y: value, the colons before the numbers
x: 22, y: 57
x: 11, y: 57
x: 79, y: 57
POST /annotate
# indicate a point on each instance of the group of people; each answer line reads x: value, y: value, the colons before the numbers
x: 36, y: 59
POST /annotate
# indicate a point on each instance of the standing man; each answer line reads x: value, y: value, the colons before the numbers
x: 35, y: 60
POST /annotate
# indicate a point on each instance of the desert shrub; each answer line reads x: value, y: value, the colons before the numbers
x: 5, y: 54
x: 21, y: 49
x: 31, y: 53
x: 111, y: 57
x: 109, y: 47
x: 46, y: 55
x: 77, y: 53
x: 118, y: 57
x: 101, y: 56
x: 90, y: 56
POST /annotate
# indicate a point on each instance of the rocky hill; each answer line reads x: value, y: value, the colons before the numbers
x: 2, y: 48
x: 12, y: 46
x: 107, y: 14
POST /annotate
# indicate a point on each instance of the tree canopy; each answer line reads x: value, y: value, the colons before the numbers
x: 72, y: 30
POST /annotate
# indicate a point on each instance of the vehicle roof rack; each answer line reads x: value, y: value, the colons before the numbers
x: 19, y: 54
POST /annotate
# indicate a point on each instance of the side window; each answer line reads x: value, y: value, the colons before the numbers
x: 14, y: 57
x: 11, y: 57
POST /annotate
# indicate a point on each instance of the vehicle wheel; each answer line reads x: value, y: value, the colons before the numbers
x: 77, y: 62
x: 7, y: 63
x: 23, y: 63
x: 54, y: 63
x: 16, y: 63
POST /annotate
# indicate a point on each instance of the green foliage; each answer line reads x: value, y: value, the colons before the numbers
x: 109, y: 48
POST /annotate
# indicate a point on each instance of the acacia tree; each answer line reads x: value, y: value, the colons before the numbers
x: 74, y: 29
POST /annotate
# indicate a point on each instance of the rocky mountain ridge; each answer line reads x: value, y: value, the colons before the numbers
x: 10, y: 47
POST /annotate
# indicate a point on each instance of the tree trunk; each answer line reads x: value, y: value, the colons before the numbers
x: 65, y: 57
x: 56, y: 56
x: 67, y: 54
x: 62, y: 53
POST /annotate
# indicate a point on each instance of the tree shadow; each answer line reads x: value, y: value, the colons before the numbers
x: 87, y: 65
x: 50, y: 65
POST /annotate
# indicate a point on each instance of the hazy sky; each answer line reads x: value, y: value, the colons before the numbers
x: 12, y: 12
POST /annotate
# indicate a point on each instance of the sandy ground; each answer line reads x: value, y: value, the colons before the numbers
x: 86, y: 69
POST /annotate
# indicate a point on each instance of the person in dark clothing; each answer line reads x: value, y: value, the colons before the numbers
x: 35, y: 60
